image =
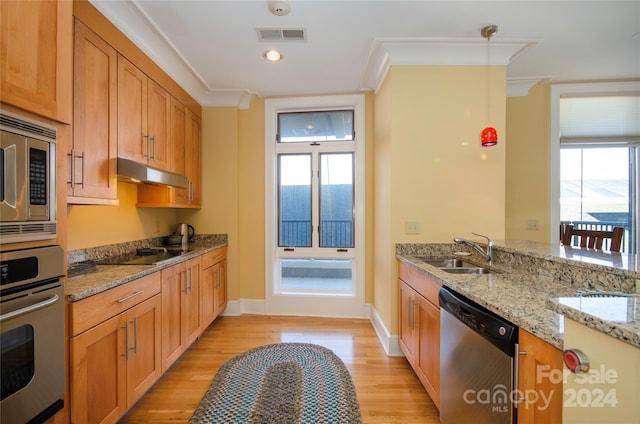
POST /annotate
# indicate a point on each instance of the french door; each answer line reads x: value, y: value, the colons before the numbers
x: 315, y: 218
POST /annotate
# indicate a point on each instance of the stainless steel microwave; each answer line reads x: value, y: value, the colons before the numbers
x: 28, y: 179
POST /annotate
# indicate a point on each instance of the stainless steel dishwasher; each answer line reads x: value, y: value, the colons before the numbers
x: 477, y: 366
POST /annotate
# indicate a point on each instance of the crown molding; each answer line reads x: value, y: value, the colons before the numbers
x: 386, y: 52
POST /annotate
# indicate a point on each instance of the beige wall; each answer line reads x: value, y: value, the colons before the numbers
x: 91, y: 226
x: 430, y: 166
x: 528, y: 165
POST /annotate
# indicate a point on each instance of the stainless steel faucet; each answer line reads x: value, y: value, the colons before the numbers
x: 488, y: 255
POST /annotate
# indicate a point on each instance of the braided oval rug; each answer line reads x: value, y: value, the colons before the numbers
x: 281, y: 383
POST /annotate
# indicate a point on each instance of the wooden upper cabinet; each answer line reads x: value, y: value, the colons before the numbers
x: 194, y: 160
x: 132, y: 112
x: 159, y: 106
x: 36, y: 43
x: 143, y: 114
x: 186, y: 160
x: 91, y: 158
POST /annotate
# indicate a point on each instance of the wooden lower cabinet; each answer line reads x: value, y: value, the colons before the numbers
x: 114, y: 363
x: 124, y: 339
x: 181, y: 316
x: 419, y: 326
x: 540, y: 389
x: 213, y: 294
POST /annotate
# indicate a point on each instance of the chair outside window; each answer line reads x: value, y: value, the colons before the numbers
x: 593, y: 239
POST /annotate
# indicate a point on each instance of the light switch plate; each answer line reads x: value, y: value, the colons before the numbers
x: 412, y: 227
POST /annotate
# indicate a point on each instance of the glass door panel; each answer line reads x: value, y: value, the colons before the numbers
x: 336, y: 200
x: 294, y: 200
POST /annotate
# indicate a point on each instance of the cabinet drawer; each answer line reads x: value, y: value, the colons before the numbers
x: 95, y: 309
x: 426, y: 286
x: 212, y: 258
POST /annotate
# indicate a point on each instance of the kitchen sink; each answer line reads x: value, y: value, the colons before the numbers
x: 474, y: 270
x: 447, y: 262
x: 455, y: 265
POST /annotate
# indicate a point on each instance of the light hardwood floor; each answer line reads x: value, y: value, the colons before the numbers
x: 387, y: 389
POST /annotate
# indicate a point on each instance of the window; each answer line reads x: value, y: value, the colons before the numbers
x: 327, y: 125
x: 315, y: 206
x: 598, y: 143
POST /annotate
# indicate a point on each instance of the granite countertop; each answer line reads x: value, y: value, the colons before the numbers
x: 105, y: 277
x: 519, y: 298
x: 536, y: 302
x: 618, y: 316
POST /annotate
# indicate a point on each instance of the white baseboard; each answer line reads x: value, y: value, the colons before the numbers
x: 244, y: 306
x: 257, y: 307
x: 389, y: 343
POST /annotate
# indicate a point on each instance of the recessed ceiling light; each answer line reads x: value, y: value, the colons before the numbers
x: 273, y: 55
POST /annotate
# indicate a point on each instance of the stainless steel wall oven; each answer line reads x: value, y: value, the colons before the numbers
x: 32, y: 370
x: 27, y: 179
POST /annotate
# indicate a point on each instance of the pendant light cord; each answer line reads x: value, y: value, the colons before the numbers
x: 488, y: 76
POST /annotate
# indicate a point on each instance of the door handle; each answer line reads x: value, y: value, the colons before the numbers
x: 135, y: 335
x: 126, y: 342
x: 53, y: 299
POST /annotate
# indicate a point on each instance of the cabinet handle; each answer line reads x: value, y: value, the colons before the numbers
x: 134, y: 294
x: 126, y: 345
x: 81, y: 157
x: 72, y: 168
x: 146, y: 137
x: 411, y: 312
x: 186, y: 282
x: 153, y: 142
x: 135, y: 335
x: 516, y: 371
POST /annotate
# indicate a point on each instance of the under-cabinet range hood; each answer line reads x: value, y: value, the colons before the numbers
x: 136, y: 172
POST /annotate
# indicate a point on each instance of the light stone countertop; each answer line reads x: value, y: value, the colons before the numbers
x: 105, y: 277
x: 533, y: 285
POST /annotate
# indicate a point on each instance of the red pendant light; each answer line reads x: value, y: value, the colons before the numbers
x: 489, y: 135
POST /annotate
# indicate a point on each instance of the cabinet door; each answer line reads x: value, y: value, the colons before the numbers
x: 537, y: 361
x: 159, y: 102
x: 207, y: 294
x: 173, y: 288
x: 221, y: 288
x: 133, y: 137
x: 191, y: 305
x: 179, y: 118
x: 428, y: 357
x: 194, y: 160
x: 92, y: 157
x: 143, y: 354
x: 36, y: 56
x: 407, y: 321
x: 98, y: 373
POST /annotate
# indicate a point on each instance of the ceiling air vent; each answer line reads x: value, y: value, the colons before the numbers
x: 281, y: 34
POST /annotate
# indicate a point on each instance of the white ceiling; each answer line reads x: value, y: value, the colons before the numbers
x: 212, y: 49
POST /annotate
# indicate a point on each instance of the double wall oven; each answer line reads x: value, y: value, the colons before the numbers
x: 31, y: 334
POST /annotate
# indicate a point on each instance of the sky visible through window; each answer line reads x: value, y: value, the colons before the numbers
x: 594, y: 184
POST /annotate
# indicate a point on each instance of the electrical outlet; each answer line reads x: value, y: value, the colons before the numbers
x: 532, y: 224
x: 412, y: 227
